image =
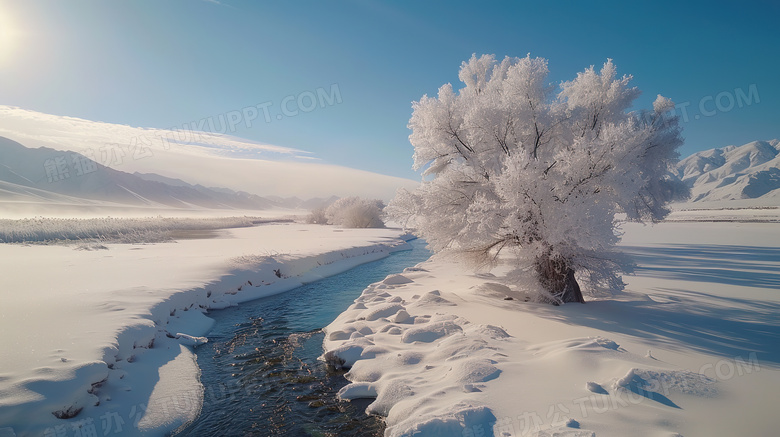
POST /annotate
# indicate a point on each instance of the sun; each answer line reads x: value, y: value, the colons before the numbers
x: 8, y: 34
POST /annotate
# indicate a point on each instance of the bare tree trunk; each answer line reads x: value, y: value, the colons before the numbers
x: 558, y: 279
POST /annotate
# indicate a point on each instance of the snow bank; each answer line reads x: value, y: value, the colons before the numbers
x: 687, y: 350
x: 103, y: 340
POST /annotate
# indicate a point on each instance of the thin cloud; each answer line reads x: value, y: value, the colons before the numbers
x: 219, y: 3
x: 79, y: 135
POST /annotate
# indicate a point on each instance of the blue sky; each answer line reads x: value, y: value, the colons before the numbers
x: 170, y: 63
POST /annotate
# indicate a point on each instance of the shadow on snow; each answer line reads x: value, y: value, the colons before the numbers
x: 727, y: 326
x: 744, y: 266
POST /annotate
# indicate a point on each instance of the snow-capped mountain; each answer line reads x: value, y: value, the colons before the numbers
x: 52, y: 176
x: 750, y: 171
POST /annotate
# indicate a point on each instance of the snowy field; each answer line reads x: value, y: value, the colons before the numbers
x: 745, y: 211
x: 741, y: 215
x: 103, y: 338
x: 690, y: 349
x: 119, y: 230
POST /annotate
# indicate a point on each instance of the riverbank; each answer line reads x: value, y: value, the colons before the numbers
x: 689, y: 349
x: 260, y: 369
x: 101, y: 337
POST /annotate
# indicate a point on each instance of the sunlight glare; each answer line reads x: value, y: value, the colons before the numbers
x: 8, y: 35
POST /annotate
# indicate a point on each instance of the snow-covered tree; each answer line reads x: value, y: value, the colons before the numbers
x: 317, y: 216
x: 511, y: 162
x: 355, y: 212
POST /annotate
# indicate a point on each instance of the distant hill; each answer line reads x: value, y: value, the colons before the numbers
x: 44, y: 175
x: 53, y: 176
x: 750, y: 171
x: 271, y: 201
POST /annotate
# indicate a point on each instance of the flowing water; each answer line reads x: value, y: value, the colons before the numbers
x: 260, y: 368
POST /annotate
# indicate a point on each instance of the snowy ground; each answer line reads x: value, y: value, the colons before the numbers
x: 691, y: 348
x: 108, y: 332
x: 724, y: 212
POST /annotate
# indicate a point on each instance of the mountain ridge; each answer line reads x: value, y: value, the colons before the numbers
x: 726, y: 174
x: 50, y: 175
x: 749, y: 171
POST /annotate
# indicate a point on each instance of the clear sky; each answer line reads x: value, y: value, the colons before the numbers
x: 162, y: 64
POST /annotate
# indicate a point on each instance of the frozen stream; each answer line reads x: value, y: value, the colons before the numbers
x: 260, y: 368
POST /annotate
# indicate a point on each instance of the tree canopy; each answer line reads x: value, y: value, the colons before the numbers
x: 511, y: 162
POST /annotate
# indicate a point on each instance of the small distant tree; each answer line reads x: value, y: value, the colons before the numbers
x: 354, y: 212
x: 512, y: 163
x: 317, y: 216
